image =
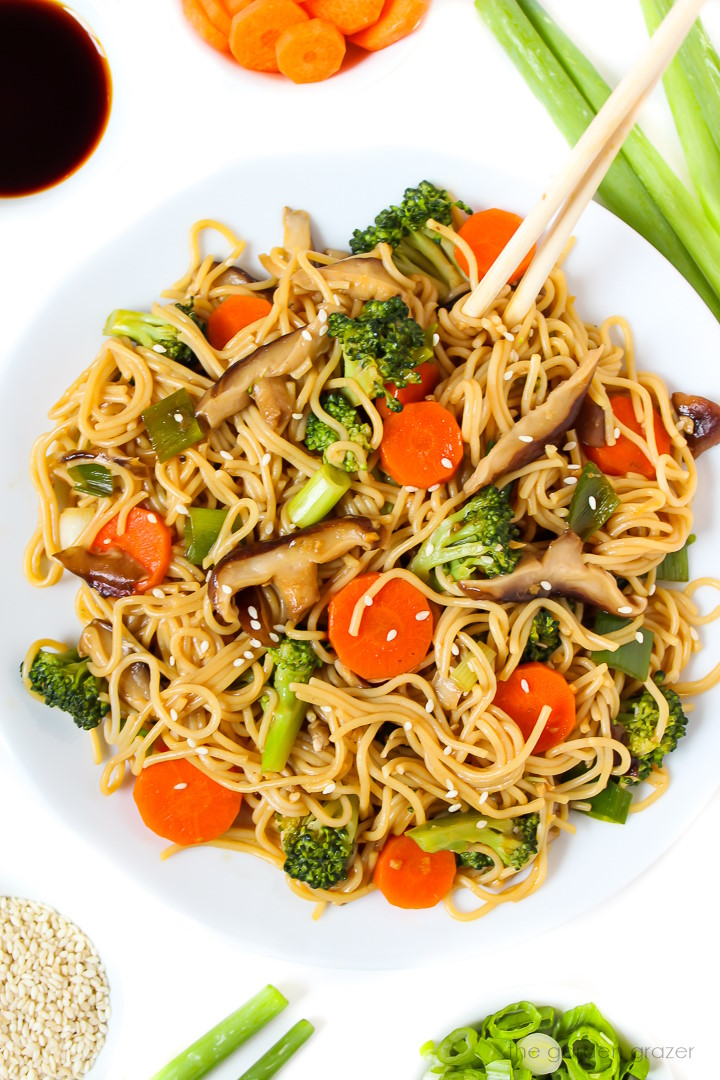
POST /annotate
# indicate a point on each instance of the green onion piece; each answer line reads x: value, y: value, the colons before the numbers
x: 458, y: 1048
x: 319, y: 495
x: 675, y: 566
x: 280, y: 1053
x: 499, y: 1070
x: 465, y: 675
x: 233, y: 1031
x: 92, y: 479
x: 593, y: 502
x: 542, y: 1055
x: 591, y: 1054
x: 172, y: 426
x: 202, y: 529
x: 572, y: 92
x: 611, y: 804
x: 514, y: 1021
x: 633, y: 657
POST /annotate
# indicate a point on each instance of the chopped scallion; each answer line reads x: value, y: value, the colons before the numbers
x: 633, y: 657
x: 319, y: 495
x: 172, y: 425
x: 612, y: 804
x: 675, y: 566
x: 593, y: 502
x: 280, y: 1053
x: 92, y: 479
x: 202, y: 528
x: 464, y: 675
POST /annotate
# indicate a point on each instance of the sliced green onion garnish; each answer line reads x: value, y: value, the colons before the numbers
x: 233, y: 1031
x: 499, y: 1070
x: 593, y: 502
x: 202, y: 529
x: 542, y: 1055
x: 280, y: 1053
x: 465, y: 675
x: 459, y: 1047
x: 319, y: 495
x: 514, y: 1021
x: 633, y: 657
x: 611, y: 804
x: 675, y: 566
x: 92, y: 479
x: 172, y: 426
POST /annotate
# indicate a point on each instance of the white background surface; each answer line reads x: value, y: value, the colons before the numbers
x: 647, y: 957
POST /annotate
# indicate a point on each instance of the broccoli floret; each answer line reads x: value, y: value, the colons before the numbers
x: 416, y: 249
x: 154, y: 333
x: 382, y: 345
x: 473, y: 860
x: 515, y: 839
x: 295, y: 662
x: 639, y: 718
x: 319, y: 436
x: 476, y: 538
x: 318, y: 854
x: 544, y: 638
x: 64, y: 682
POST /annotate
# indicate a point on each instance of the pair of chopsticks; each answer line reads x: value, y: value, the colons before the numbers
x: 573, y: 188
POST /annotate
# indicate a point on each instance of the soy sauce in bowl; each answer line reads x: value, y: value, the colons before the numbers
x: 55, y: 90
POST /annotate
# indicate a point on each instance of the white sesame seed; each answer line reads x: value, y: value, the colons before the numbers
x: 545, y: 584
x: 204, y: 646
x: 625, y: 610
x: 651, y: 590
x: 639, y: 637
x: 508, y: 376
x: 249, y: 655
x: 422, y: 616
x: 570, y: 445
x: 436, y: 339
x: 524, y: 686
x: 452, y: 793
x: 152, y: 519
x: 252, y: 612
x: 256, y: 644
x: 454, y: 807
x: 391, y: 635
x: 454, y: 649
x: 573, y: 467
x: 323, y: 331
x: 203, y: 751
x: 159, y: 348
x: 616, y: 432
x: 255, y: 624
x: 180, y: 509
x: 368, y: 601
x: 411, y: 490
x: 158, y: 593
x: 592, y: 502
x: 107, y: 540
x: 171, y: 661
x: 408, y: 725
x: 446, y: 463
x: 273, y: 637
x: 433, y: 487
x: 322, y: 314
x: 525, y: 438
x: 306, y: 335
x: 297, y: 416
x: 447, y: 751
x: 226, y: 589
x: 226, y: 455
x: 179, y: 417
x: 429, y: 706
x: 180, y: 787
x: 483, y: 797
x: 508, y: 336
x: 570, y: 480
x: 481, y: 824
x: 265, y: 460
x: 173, y: 715
x: 238, y: 662
x: 329, y: 788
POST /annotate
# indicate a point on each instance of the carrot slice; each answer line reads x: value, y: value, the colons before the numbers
x: 218, y: 16
x: 398, y: 18
x: 409, y: 877
x: 234, y: 313
x: 523, y: 695
x: 182, y: 804
x: 202, y: 25
x: 233, y: 6
x: 625, y: 457
x: 255, y: 31
x: 395, y: 632
x: 429, y: 374
x: 146, y: 537
x: 350, y: 16
x: 422, y: 445
x: 311, y: 51
x: 487, y: 232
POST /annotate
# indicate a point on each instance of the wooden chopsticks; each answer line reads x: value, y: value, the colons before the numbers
x: 573, y: 188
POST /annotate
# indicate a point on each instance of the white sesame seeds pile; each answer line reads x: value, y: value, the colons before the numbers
x: 54, y: 997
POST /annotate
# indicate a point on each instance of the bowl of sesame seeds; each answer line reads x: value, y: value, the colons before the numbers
x: 54, y: 994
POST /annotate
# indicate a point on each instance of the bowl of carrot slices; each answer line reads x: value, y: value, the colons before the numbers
x: 308, y: 41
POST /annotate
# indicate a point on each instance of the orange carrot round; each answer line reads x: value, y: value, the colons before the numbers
x: 523, y: 695
x: 429, y: 374
x: 146, y: 537
x: 218, y: 15
x: 232, y: 315
x: 202, y: 25
x: 350, y: 16
x: 395, y: 632
x: 487, y: 232
x: 409, y: 877
x: 398, y: 18
x: 233, y: 6
x: 255, y: 31
x: 624, y: 456
x: 311, y: 51
x: 182, y: 804
x: 422, y: 445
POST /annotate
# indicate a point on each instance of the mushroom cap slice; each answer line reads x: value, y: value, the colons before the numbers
x: 134, y: 682
x: 562, y: 567
x: 526, y: 440
x: 705, y: 417
x: 362, y: 278
x: 289, y: 563
x: 274, y: 401
x: 231, y: 392
x: 112, y: 573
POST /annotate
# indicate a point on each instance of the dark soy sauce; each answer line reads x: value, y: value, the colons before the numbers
x: 55, y: 94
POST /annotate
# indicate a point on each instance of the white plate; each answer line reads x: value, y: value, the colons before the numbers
x: 611, y: 270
